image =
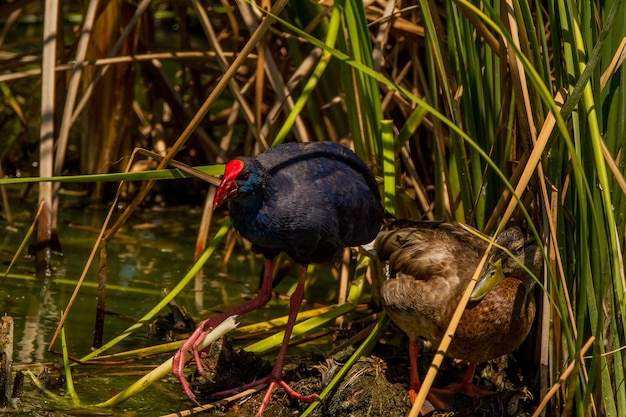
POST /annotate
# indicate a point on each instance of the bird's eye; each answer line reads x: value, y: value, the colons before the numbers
x: 246, y: 175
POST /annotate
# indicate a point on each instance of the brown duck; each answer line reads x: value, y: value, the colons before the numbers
x: 430, y: 265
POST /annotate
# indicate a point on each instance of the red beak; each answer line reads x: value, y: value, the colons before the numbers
x: 228, y: 186
x: 225, y: 191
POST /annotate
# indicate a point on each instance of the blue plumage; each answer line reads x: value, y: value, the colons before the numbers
x: 309, y: 200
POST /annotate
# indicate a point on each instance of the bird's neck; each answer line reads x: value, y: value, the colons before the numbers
x: 248, y: 212
x: 245, y: 206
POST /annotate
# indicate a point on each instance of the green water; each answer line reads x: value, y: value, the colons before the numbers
x: 152, y: 253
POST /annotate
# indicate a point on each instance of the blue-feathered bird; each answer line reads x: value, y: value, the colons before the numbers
x: 309, y: 200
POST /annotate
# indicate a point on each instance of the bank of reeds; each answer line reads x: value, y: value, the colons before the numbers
x: 485, y: 113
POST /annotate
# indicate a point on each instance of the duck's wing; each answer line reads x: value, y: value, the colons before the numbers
x: 426, y: 260
x: 425, y: 250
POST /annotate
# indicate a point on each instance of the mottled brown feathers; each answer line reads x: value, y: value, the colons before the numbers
x: 430, y: 265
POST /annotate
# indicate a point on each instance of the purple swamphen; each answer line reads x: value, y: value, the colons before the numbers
x: 309, y: 200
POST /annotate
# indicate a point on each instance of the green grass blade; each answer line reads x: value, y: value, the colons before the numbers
x: 159, y: 174
x: 362, y: 350
x: 163, y: 303
x: 389, y: 167
x: 354, y: 296
x: 69, y: 381
x: 312, y: 82
x: 166, y: 367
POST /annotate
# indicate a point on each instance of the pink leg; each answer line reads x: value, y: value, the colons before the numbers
x: 205, y: 327
x: 275, y: 378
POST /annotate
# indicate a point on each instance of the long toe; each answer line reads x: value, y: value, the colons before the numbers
x: 272, y: 383
x: 466, y: 386
x: 468, y: 389
x: 178, y: 368
x: 437, y: 399
x: 292, y: 393
x: 180, y: 357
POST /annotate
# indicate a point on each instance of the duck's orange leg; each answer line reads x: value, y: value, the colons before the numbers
x: 466, y: 386
x: 440, y: 399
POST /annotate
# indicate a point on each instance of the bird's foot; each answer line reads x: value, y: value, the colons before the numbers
x: 468, y: 389
x: 272, y: 382
x: 275, y: 383
x: 442, y: 399
x: 439, y: 399
x: 192, y: 343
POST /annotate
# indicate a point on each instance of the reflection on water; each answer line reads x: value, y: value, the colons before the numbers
x: 149, y: 255
x: 32, y: 344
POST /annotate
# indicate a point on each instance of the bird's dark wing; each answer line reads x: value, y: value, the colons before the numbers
x: 280, y: 158
x: 318, y: 192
